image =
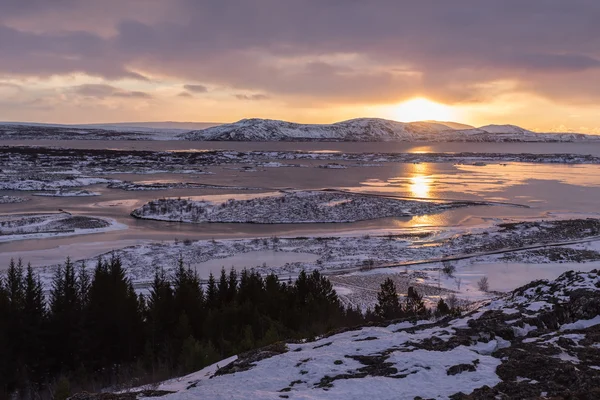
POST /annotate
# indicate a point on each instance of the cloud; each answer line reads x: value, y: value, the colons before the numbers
x: 320, y: 52
x: 102, y: 91
x: 252, y: 97
x: 185, y: 94
x: 196, y: 88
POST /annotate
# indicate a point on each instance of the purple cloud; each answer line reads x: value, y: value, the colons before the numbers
x: 103, y: 91
x: 333, y: 50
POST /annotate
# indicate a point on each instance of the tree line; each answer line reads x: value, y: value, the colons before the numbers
x: 94, y: 331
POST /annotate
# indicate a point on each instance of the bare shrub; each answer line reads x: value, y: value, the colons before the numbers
x: 452, y: 301
x: 483, y: 284
x: 448, y: 269
x: 367, y: 265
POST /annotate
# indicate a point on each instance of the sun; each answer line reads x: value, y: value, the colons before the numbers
x: 422, y: 109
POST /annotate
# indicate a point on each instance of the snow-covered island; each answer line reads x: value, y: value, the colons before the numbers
x: 291, y: 207
x: 43, y: 225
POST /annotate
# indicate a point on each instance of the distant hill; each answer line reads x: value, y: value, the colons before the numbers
x: 109, y: 131
x: 372, y: 130
x: 170, y: 125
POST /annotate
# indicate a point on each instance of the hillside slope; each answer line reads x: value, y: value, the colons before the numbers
x: 540, y: 341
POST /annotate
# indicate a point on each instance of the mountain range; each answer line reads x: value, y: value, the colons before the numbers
x: 373, y: 130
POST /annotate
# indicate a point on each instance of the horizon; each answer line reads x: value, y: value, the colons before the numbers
x: 79, y: 62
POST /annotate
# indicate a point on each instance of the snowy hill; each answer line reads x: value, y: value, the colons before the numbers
x: 363, y: 129
x: 371, y: 130
x: 540, y: 341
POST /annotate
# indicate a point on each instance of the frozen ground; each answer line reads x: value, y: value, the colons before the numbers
x: 358, y: 264
x: 539, y: 341
x: 291, y: 207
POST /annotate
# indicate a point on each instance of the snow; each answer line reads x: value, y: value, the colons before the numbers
x: 420, y: 372
x: 581, y: 324
x: 68, y: 193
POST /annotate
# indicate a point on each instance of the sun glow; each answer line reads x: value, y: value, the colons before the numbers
x: 421, y: 109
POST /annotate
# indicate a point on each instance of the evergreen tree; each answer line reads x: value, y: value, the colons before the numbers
x: 442, y: 308
x: 160, y: 319
x: 34, y: 318
x: 415, y: 307
x: 189, y: 297
x: 65, y: 320
x: 211, y: 292
x: 6, y: 371
x: 388, y: 303
x: 113, y: 322
x: 15, y: 291
x: 223, y: 288
x: 84, y: 284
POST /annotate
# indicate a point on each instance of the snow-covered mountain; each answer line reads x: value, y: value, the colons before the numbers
x: 372, y: 130
x: 362, y: 129
x: 540, y: 341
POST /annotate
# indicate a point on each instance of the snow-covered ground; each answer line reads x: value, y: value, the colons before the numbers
x: 539, y: 341
x: 68, y: 193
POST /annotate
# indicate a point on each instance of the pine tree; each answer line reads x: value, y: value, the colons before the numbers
x: 442, y: 308
x: 189, y: 297
x: 388, y: 303
x: 6, y: 369
x: 223, y: 288
x: 161, y: 318
x: 211, y: 292
x: 415, y: 307
x: 65, y: 320
x: 84, y: 284
x: 113, y: 322
x: 34, y: 317
x: 15, y: 289
x: 232, y: 285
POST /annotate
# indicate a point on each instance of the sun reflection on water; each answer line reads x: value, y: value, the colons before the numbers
x: 420, y: 181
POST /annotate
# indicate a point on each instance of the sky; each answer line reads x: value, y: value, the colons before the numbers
x: 533, y: 63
